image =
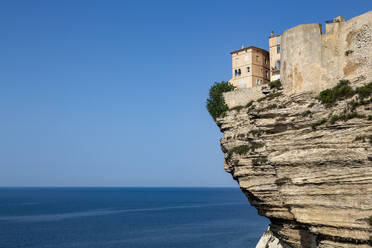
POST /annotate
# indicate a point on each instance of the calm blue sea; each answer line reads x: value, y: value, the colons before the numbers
x: 127, y: 217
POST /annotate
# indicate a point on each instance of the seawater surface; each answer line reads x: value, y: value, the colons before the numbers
x: 127, y: 217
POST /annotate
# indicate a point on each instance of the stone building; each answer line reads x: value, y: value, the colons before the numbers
x: 312, y: 61
x: 274, y: 49
x: 250, y: 67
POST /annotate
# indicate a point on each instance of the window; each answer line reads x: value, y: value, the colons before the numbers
x: 278, y: 49
x: 257, y: 57
x: 248, y: 69
x: 277, y: 64
x: 267, y: 74
x: 236, y: 73
x: 278, y: 40
x: 239, y: 72
x: 266, y: 61
x: 258, y: 81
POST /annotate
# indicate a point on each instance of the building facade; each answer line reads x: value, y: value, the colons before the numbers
x: 250, y: 67
x: 274, y: 48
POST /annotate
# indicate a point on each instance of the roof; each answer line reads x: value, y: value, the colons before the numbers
x: 249, y: 48
x: 275, y: 35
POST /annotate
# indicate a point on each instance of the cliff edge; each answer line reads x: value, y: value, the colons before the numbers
x: 305, y: 165
x: 301, y: 150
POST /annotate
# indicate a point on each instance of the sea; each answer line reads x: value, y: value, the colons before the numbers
x: 128, y: 217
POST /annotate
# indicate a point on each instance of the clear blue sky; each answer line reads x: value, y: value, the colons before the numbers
x: 112, y: 93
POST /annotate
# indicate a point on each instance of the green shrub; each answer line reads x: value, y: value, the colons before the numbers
x: 364, y: 91
x: 334, y: 118
x: 353, y: 104
x: 341, y: 91
x: 345, y: 117
x: 259, y: 161
x: 275, y: 84
x: 318, y: 123
x: 306, y: 113
x: 249, y: 104
x: 216, y: 105
x: 243, y: 149
x: 254, y: 146
x: 238, y: 108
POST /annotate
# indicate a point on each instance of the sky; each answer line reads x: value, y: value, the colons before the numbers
x: 112, y: 93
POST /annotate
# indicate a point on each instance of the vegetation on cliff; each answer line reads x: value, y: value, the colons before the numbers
x: 343, y: 91
x: 276, y: 84
x: 215, y: 103
x: 243, y: 149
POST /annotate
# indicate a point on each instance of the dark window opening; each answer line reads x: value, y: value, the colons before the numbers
x: 277, y: 64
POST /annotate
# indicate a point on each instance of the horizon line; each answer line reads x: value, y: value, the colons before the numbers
x: 44, y: 186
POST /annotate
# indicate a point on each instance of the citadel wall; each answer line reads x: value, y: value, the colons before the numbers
x: 312, y: 61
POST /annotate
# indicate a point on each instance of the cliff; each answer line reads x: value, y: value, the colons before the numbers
x: 301, y: 151
x: 304, y: 165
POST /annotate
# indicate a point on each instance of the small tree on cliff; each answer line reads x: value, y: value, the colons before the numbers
x: 215, y: 103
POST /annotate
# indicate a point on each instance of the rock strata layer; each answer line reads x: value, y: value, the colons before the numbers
x: 309, y: 173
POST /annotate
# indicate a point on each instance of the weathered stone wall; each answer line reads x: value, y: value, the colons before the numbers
x: 312, y: 61
x: 301, y: 58
x: 242, y: 97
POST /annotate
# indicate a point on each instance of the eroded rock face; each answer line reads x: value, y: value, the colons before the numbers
x: 311, y: 178
x: 268, y: 240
